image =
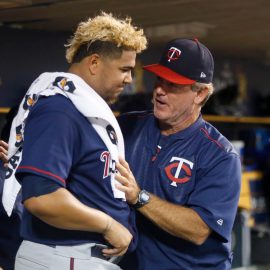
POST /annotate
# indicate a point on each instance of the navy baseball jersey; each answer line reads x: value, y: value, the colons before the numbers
x: 197, y: 168
x: 62, y: 147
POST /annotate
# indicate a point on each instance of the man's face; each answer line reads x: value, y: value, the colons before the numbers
x: 114, y: 74
x: 173, y: 103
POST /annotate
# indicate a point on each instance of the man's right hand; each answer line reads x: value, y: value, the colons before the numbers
x: 4, y: 152
x: 118, y: 236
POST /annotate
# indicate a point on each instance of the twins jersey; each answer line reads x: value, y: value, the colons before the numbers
x: 61, y: 145
x: 197, y: 168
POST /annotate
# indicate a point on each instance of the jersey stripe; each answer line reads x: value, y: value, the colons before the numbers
x: 211, y: 139
x: 43, y: 172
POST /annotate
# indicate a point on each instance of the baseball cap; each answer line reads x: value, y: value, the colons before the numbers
x: 184, y: 61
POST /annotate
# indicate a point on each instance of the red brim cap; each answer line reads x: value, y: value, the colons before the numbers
x: 167, y: 74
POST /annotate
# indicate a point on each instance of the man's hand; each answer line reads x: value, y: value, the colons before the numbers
x: 118, y: 236
x: 128, y: 181
x: 4, y: 152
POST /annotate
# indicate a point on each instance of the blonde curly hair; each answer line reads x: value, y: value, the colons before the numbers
x: 106, y: 28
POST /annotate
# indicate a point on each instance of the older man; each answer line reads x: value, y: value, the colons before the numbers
x: 188, y: 175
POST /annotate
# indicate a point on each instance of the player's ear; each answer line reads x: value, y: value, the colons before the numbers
x: 201, y: 95
x: 93, y: 63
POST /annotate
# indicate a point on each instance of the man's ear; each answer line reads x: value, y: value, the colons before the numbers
x: 93, y: 63
x: 201, y: 95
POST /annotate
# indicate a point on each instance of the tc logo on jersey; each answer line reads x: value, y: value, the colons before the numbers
x: 179, y: 171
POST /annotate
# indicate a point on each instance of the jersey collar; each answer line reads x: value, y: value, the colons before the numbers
x: 186, y: 132
x: 182, y: 134
x: 155, y: 138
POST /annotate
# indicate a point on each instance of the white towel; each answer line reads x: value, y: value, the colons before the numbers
x: 86, y: 100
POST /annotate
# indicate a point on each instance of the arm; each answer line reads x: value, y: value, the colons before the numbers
x: 62, y: 210
x: 179, y: 221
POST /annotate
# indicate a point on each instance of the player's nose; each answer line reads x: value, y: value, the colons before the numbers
x: 128, y: 77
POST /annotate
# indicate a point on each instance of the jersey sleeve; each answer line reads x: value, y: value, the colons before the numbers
x: 48, y: 143
x: 216, y: 195
x: 34, y: 185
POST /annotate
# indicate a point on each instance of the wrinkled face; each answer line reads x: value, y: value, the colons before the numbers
x: 114, y: 74
x: 173, y: 103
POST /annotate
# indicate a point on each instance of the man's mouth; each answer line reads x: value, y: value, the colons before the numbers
x: 160, y: 102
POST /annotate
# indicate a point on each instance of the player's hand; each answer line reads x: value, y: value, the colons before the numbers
x: 4, y: 152
x: 128, y: 181
x: 119, y: 237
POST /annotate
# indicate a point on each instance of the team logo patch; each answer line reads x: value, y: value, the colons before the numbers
x: 179, y: 171
x: 64, y: 84
x: 19, y: 137
x: 29, y: 100
x: 173, y: 54
x: 112, y: 134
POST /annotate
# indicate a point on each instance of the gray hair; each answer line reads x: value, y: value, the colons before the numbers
x: 196, y: 87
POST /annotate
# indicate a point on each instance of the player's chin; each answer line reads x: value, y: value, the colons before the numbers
x: 161, y: 115
x: 113, y: 97
x: 112, y: 100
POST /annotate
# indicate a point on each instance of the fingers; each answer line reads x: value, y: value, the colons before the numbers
x: 3, y: 158
x: 124, y: 175
x: 124, y: 164
x: 121, y: 169
x: 4, y: 144
x: 4, y: 152
x: 121, y: 179
x: 122, y: 188
x: 114, y: 251
x: 131, y: 189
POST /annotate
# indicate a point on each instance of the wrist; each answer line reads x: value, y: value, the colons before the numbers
x: 108, y: 225
x: 143, y: 198
x: 135, y: 200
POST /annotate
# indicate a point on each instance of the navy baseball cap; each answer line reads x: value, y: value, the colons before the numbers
x: 184, y: 61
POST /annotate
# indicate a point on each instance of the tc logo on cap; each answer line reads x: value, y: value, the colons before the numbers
x: 173, y: 54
